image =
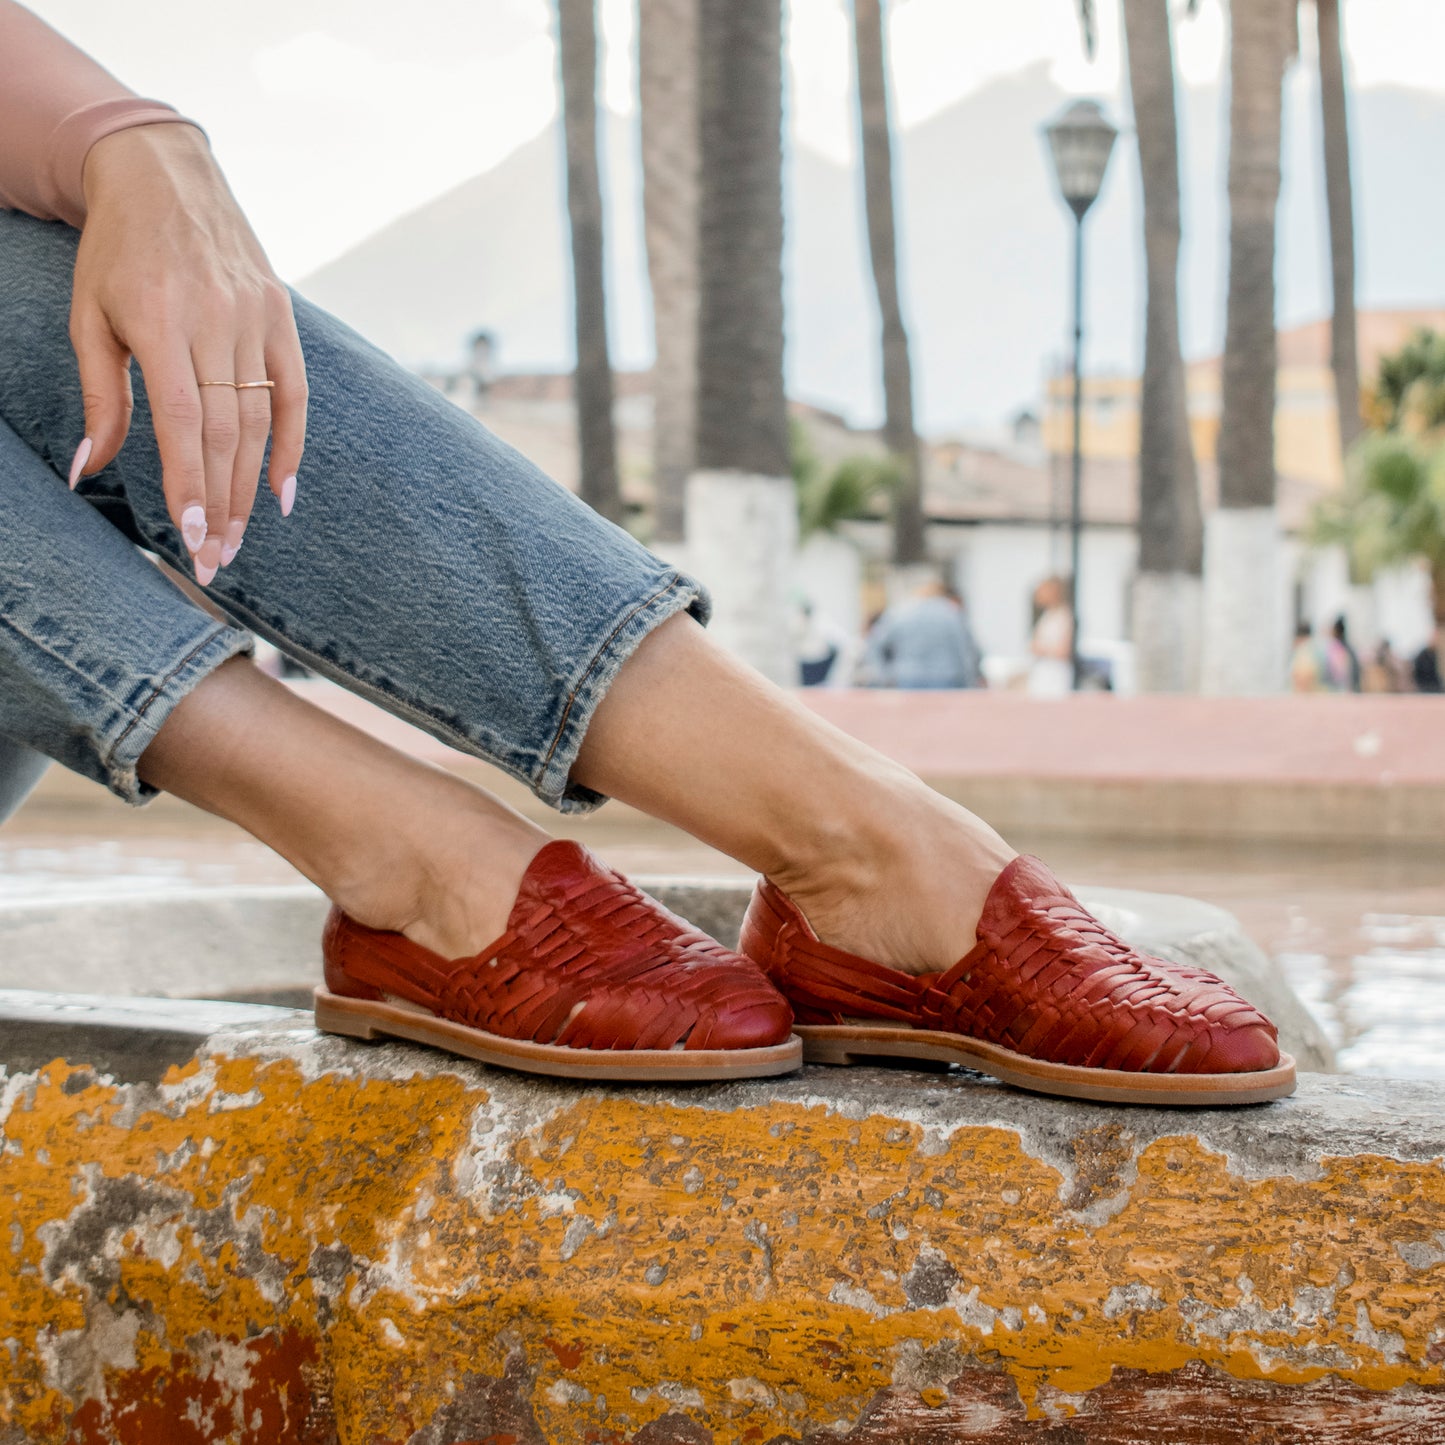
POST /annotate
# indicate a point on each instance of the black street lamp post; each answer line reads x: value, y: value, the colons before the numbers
x: 1080, y: 140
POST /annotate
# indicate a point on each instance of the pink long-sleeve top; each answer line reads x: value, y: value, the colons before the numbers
x: 55, y: 103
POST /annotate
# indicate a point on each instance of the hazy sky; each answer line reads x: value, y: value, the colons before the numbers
x: 333, y: 116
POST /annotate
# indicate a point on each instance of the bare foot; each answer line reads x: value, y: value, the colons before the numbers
x: 908, y: 887
x: 398, y: 844
x: 451, y: 883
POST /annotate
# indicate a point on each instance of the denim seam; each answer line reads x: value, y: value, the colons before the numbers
x: 160, y: 687
x: 593, y: 661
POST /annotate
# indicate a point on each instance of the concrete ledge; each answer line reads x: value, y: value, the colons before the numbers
x: 1364, y: 767
x: 1195, y: 809
x: 294, y: 1238
x: 263, y: 944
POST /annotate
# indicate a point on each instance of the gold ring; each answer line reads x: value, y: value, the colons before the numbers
x: 239, y: 385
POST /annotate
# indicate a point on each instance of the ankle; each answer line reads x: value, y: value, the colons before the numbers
x: 448, y: 885
x: 906, y: 883
x: 868, y: 829
x: 469, y: 885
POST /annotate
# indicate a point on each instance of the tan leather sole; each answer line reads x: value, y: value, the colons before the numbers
x: 367, y: 1019
x: 858, y: 1043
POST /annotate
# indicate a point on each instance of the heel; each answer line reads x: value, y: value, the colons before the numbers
x: 880, y: 1047
x: 828, y: 1051
x: 333, y: 1017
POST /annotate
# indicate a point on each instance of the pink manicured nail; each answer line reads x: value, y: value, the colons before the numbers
x: 82, y: 455
x: 235, y: 534
x: 193, y: 527
x: 204, y: 575
x: 288, y: 496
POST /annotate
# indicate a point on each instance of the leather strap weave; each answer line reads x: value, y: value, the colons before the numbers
x: 588, y: 961
x: 1045, y: 979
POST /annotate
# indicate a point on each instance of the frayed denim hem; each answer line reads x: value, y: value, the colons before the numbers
x: 219, y: 643
x: 674, y: 593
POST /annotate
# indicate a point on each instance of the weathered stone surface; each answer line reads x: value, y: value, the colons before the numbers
x: 263, y: 944
x: 294, y: 1238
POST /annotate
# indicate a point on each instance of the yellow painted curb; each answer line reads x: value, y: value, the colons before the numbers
x: 295, y: 1239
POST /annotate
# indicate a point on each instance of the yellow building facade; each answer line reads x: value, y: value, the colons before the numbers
x: 1306, y: 434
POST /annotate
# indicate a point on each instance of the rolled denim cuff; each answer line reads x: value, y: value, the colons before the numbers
x: 673, y: 593
x: 121, y: 756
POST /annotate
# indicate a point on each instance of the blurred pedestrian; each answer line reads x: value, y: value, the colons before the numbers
x: 1306, y: 662
x: 1342, y: 666
x: 1427, y: 663
x: 826, y: 652
x: 925, y: 642
x: 1051, y: 674
x: 1384, y: 672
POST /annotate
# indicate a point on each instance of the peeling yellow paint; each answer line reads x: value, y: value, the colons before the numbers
x: 753, y: 1266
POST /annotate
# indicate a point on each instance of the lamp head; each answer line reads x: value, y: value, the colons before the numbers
x: 1080, y: 141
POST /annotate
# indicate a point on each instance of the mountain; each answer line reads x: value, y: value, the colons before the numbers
x: 985, y: 248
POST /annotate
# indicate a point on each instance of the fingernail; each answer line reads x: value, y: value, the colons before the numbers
x: 77, y: 465
x: 204, y: 575
x: 288, y: 496
x: 235, y: 535
x: 193, y: 527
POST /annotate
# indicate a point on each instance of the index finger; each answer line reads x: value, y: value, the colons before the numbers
x: 175, y: 403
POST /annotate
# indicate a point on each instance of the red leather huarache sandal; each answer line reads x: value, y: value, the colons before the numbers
x: 592, y: 980
x: 1048, y: 999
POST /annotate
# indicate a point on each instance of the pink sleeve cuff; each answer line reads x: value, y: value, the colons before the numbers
x: 70, y: 143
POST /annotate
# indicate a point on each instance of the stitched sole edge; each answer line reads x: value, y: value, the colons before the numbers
x: 858, y: 1043
x: 368, y: 1020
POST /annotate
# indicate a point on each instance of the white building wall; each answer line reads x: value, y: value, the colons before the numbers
x: 1403, y: 610
x: 1395, y: 607
x: 828, y: 572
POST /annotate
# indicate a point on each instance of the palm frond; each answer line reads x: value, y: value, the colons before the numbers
x: 851, y: 489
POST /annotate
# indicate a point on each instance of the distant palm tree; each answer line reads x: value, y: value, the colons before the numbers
x: 1171, y: 529
x: 909, y: 543
x: 847, y: 490
x: 1392, y: 508
x: 742, y: 414
x: 667, y: 65
x: 592, y: 384
x: 1244, y: 626
x: 1339, y: 197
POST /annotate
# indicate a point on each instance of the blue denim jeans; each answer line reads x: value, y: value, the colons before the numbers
x: 427, y: 566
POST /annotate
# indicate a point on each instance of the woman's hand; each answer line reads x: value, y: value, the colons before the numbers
x: 169, y: 272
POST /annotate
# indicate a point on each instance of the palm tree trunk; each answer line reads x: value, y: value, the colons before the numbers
x: 742, y: 416
x: 1171, y: 529
x: 909, y: 545
x: 668, y: 60
x: 1344, y: 351
x: 592, y: 383
x: 741, y: 504
x: 1244, y: 641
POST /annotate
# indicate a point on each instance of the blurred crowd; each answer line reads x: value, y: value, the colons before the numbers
x: 1331, y: 664
x: 926, y: 641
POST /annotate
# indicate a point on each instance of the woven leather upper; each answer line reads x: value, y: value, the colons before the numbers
x: 588, y: 961
x: 1045, y: 979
